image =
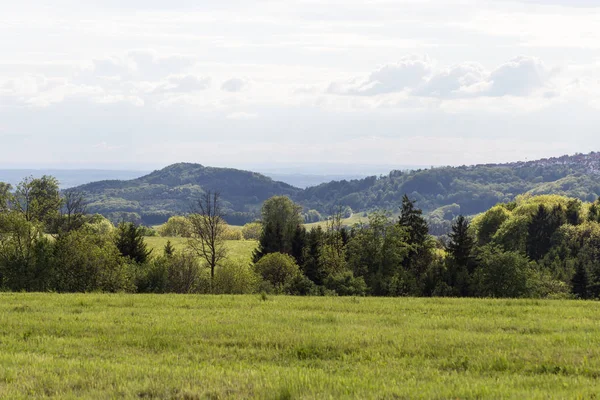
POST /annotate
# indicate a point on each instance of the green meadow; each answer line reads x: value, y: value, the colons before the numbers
x: 240, y: 250
x: 103, y: 346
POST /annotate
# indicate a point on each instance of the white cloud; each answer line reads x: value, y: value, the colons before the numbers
x: 389, y: 78
x: 234, y: 85
x: 182, y: 84
x: 518, y: 77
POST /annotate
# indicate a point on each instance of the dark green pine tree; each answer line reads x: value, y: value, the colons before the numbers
x: 538, y: 240
x: 580, y: 282
x: 460, y: 246
x: 130, y: 242
x: 411, y: 219
x: 271, y: 241
x: 169, y: 250
x: 313, y: 264
x: 298, y: 244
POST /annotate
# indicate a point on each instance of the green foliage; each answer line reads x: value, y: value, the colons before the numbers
x: 176, y: 226
x: 376, y: 253
x: 278, y: 269
x: 252, y: 231
x: 130, y: 242
x: 234, y: 277
x: 500, y: 274
x: 346, y: 284
x: 85, y: 262
x: 25, y: 253
x: 280, y: 221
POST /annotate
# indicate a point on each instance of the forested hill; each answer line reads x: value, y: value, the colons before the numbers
x: 151, y: 199
x: 443, y: 192
x: 473, y: 188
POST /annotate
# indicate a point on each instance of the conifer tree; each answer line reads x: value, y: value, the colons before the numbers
x: 461, y: 243
x: 580, y: 281
x: 412, y: 221
x: 130, y: 242
x: 169, y: 250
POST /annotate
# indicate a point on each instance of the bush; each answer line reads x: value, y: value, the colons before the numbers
x: 235, y: 278
x: 232, y: 234
x: 176, y: 226
x: 278, y: 269
x: 183, y: 273
x: 86, y: 262
x: 252, y: 231
x: 300, y: 285
x: 346, y: 284
x: 501, y: 274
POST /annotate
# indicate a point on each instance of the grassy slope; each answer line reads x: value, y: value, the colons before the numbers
x: 238, y: 249
x: 169, y: 346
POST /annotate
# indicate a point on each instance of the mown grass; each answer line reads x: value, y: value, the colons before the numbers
x: 240, y: 250
x: 102, y: 346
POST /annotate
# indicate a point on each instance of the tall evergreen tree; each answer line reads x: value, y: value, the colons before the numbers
x: 461, y: 243
x: 537, y: 234
x: 411, y: 218
x: 298, y: 243
x: 130, y: 242
x: 313, y: 263
x: 412, y: 221
x: 580, y: 281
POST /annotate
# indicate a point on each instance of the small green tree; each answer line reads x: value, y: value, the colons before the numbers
x: 130, y: 242
x: 169, y: 250
x: 278, y: 269
x: 252, y: 230
x: 280, y: 221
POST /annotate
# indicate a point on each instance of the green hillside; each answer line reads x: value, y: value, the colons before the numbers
x: 173, y: 190
x: 443, y: 192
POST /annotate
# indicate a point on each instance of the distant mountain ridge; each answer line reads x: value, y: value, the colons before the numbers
x: 442, y: 191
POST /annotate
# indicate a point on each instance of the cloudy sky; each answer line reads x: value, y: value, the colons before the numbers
x: 246, y: 83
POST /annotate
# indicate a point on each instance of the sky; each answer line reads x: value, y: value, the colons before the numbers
x: 100, y: 84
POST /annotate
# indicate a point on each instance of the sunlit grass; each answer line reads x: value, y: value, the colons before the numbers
x: 173, y: 346
x: 240, y: 250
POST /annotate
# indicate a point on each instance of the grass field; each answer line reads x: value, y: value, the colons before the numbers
x: 237, y: 249
x: 102, y: 346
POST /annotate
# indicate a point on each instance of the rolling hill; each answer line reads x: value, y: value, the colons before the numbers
x: 154, y: 197
x: 442, y: 192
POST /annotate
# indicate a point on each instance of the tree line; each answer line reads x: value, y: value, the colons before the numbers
x: 536, y: 246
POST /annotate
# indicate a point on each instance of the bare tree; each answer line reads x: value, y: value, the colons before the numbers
x: 73, y: 211
x: 208, y: 227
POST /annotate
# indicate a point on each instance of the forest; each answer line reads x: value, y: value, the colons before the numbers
x: 442, y: 193
x: 545, y: 246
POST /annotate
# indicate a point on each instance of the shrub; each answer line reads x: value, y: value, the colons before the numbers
x: 278, y: 269
x: 176, y: 226
x: 300, y: 285
x: 252, y: 230
x: 232, y: 234
x: 235, y: 278
x: 346, y: 284
x: 85, y: 261
x: 183, y: 273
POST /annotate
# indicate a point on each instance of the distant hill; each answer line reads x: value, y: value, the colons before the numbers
x: 172, y: 190
x: 443, y: 192
x: 307, y: 180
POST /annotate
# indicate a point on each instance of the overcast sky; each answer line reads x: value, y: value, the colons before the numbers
x: 245, y: 83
